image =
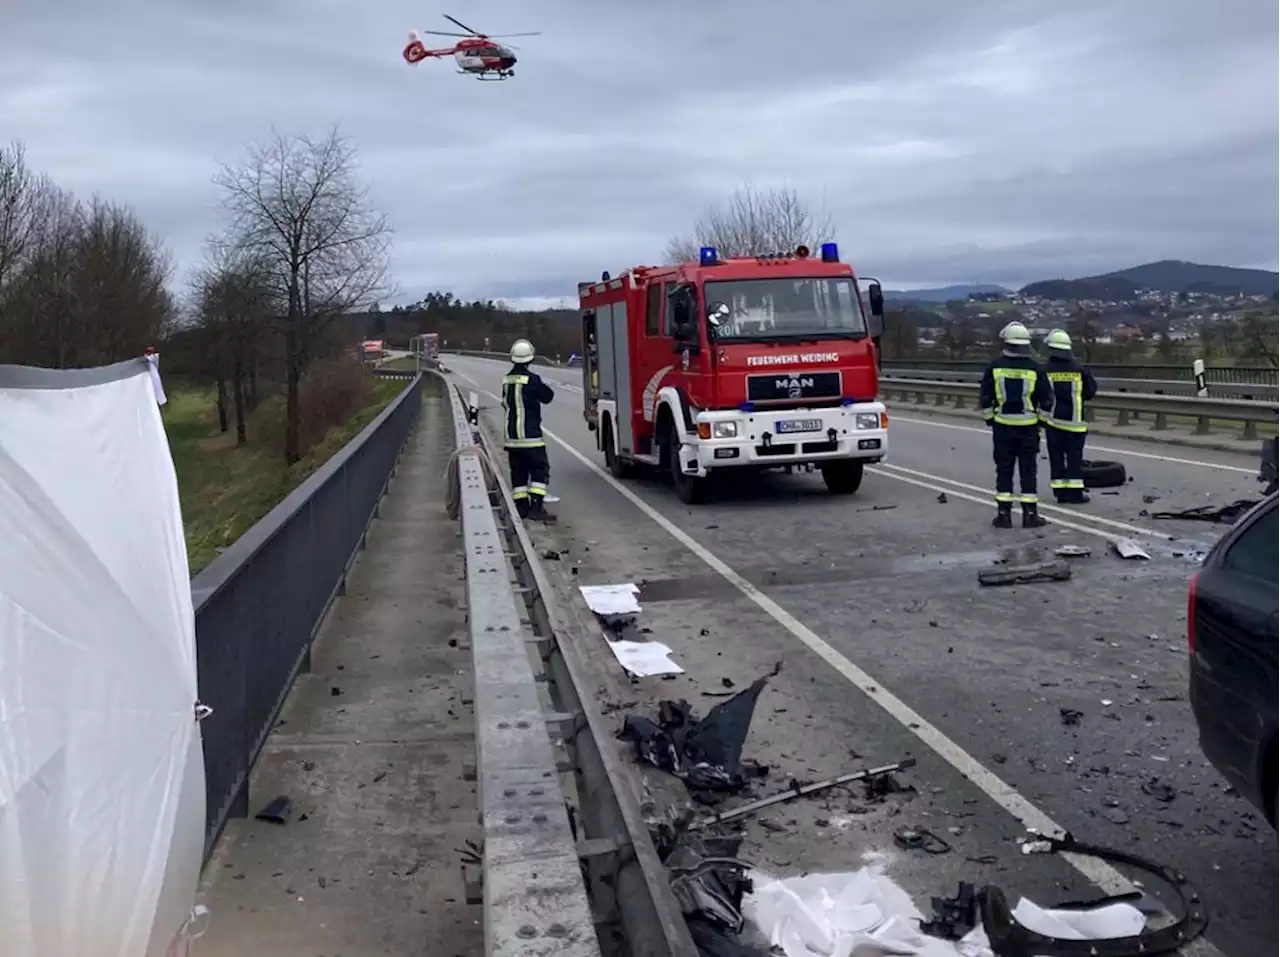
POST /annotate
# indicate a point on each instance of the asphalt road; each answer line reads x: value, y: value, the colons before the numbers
x: 891, y: 649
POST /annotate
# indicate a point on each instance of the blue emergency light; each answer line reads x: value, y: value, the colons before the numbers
x: 830, y: 254
x: 707, y: 256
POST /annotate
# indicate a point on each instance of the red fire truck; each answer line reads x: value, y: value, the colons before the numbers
x: 755, y: 362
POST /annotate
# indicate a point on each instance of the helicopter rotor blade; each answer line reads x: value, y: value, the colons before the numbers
x: 536, y: 33
x: 459, y: 23
x: 441, y: 33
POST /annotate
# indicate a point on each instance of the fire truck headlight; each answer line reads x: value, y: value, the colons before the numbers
x: 867, y: 420
x: 724, y: 430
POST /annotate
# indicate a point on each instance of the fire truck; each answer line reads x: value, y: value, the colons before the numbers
x: 735, y: 363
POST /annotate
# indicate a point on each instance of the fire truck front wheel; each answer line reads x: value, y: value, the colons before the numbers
x: 843, y: 476
x: 616, y: 465
x: 689, y: 488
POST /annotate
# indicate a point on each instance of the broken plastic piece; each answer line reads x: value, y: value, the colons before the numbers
x: 920, y: 839
x: 278, y: 811
x: 953, y: 917
x: 1128, y: 548
x: 1072, y: 551
x: 1050, y: 571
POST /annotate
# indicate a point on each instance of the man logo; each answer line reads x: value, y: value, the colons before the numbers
x: 793, y: 386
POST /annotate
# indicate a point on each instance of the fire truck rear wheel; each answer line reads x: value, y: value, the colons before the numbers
x: 842, y: 476
x: 617, y: 467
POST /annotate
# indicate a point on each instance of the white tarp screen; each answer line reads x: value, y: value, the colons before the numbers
x: 101, y: 769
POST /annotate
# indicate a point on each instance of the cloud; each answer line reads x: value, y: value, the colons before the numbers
x: 991, y: 140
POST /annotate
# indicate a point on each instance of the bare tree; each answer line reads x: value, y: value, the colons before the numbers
x: 79, y: 285
x: 234, y: 305
x: 297, y: 206
x: 1253, y: 337
x: 754, y: 222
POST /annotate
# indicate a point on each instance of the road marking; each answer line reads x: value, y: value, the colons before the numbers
x: 1096, y: 448
x: 1103, y: 875
x: 1054, y: 509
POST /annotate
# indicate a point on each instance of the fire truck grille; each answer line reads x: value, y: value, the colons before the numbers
x: 781, y: 386
x: 789, y: 448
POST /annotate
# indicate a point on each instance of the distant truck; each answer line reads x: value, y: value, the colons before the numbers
x: 744, y: 363
x: 371, y: 351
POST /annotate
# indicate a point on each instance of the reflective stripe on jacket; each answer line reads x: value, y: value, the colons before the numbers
x: 523, y: 395
x: 1073, y: 386
x: 1015, y: 391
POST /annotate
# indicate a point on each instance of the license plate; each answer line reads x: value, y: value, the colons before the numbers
x: 800, y: 425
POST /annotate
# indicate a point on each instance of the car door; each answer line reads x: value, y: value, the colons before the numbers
x: 1236, y: 623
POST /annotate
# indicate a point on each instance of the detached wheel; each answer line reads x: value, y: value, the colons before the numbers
x: 689, y: 488
x: 616, y: 466
x: 1104, y: 474
x: 842, y: 476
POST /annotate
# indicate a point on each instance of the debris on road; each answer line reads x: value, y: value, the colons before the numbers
x: 1070, y: 717
x: 1157, y: 789
x: 705, y: 753
x: 798, y: 790
x: 611, y: 599
x: 1072, y: 551
x: 1042, y: 571
x: 1227, y: 514
x: 920, y: 839
x: 1129, y: 549
x: 942, y: 498
x: 278, y: 810
x: 644, y: 659
x: 953, y: 917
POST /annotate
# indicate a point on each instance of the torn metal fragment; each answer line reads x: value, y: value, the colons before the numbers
x: 1050, y: 571
x: 1128, y: 548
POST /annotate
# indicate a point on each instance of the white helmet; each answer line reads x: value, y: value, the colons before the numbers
x: 1015, y: 334
x: 522, y: 352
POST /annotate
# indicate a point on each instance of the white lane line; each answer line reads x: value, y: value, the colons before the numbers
x: 1103, y: 875
x: 1097, y: 448
x: 901, y: 471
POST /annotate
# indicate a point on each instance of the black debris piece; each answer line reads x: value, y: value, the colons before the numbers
x: 942, y: 498
x: 335, y: 691
x: 1070, y: 716
x: 920, y: 839
x: 1046, y: 571
x: 705, y: 753
x: 1148, y: 499
x: 1157, y: 789
x: 277, y: 811
x: 551, y: 555
x: 1222, y: 514
x: 953, y: 917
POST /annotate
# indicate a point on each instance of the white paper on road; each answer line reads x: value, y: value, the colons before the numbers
x: 644, y: 659
x: 102, y: 800
x: 611, y: 599
x: 864, y: 913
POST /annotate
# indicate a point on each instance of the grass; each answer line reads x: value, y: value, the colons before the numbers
x: 225, y: 489
x: 402, y: 364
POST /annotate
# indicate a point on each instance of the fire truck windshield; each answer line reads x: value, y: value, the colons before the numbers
x: 786, y: 308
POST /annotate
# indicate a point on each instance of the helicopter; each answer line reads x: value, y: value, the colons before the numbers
x: 476, y: 53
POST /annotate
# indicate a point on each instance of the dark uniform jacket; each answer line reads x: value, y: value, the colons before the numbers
x: 1015, y: 391
x: 523, y: 395
x: 1073, y: 386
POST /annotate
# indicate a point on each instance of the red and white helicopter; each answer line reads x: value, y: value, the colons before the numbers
x: 476, y: 53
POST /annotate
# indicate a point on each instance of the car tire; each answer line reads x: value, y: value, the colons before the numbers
x: 842, y: 476
x: 689, y: 488
x: 1102, y: 474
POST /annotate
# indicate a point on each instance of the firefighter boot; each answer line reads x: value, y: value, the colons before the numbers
x: 1031, y: 517
x: 1004, y: 515
x: 538, y: 512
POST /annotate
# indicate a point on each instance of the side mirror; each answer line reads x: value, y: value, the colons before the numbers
x: 876, y: 296
x: 717, y: 313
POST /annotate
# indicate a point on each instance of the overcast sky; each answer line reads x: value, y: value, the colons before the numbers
x: 950, y: 140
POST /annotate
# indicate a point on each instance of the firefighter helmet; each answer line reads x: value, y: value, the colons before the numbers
x: 522, y: 352
x: 1015, y: 334
x: 1058, y: 341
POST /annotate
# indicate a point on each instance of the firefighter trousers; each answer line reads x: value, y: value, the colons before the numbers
x: 1066, y: 462
x: 1015, y: 447
x: 530, y: 472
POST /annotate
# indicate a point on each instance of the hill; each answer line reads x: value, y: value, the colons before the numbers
x: 941, y: 293
x: 1169, y: 275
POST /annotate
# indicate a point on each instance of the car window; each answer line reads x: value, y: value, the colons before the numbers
x: 1256, y: 552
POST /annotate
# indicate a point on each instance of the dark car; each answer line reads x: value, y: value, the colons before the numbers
x: 1231, y: 632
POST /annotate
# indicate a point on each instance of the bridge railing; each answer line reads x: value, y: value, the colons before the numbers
x: 1222, y: 375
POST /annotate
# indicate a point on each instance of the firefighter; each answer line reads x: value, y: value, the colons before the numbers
x: 1015, y: 391
x: 523, y: 396
x: 1065, y: 427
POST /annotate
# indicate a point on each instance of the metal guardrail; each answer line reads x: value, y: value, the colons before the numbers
x: 1222, y: 375
x: 1144, y: 386
x: 1127, y: 405
x: 533, y: 888
x: 259, y: 604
